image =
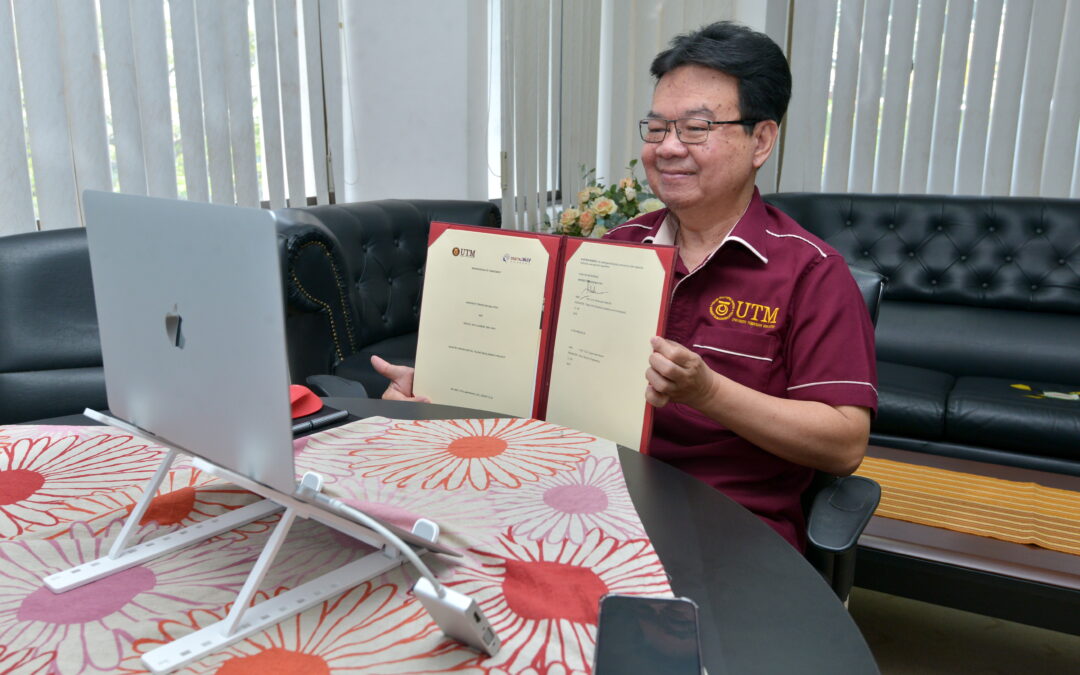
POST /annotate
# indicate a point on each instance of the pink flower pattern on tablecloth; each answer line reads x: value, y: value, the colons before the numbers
x: 569, y: 504
x: 452, y: 454
x: 540, y: 512
x: 90, y: 627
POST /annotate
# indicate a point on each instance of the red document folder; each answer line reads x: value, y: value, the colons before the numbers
x: 543, y: 326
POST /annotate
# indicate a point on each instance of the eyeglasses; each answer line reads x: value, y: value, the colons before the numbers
x: 690, y: 130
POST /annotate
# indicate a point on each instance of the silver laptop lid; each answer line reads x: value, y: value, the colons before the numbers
x: 190, y: 310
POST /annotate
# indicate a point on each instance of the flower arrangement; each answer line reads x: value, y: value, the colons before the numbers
x: 601, y: 208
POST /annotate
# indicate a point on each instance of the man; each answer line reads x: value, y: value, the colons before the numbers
x: 767, y: 372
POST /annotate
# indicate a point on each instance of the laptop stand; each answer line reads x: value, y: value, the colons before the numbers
x: 242, y: 620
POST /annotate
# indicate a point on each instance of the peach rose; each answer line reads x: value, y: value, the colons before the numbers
x: 587, y: 221
x: 605, y: 206
x: 588, y: 193
x: 627, y: 182
x: 569, y: 217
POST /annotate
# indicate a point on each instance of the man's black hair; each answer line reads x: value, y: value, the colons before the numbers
x: 747, y: 55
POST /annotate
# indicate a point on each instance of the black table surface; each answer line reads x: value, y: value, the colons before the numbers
x: 763, y: 608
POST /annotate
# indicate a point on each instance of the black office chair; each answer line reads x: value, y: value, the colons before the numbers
x: 839, y: 508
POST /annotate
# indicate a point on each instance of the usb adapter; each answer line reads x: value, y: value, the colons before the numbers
x: 458, y: 616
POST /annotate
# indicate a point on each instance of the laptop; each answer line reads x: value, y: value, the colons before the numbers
x: 190, y: 306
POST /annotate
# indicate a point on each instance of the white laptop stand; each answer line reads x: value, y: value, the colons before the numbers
x: 242, y: 620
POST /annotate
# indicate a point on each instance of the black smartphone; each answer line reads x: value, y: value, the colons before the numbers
x: 638, y: 634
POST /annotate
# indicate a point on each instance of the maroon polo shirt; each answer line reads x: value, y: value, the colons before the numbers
x: 776, y: 309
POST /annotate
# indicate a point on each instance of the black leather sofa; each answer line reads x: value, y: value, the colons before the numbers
x: 979, y: 327
x: 50, y: 354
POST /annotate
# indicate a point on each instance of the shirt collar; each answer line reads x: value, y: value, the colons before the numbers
x: 749, y: 231
x: 664, y: 233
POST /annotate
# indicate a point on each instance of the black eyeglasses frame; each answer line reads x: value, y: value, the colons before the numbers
x: 643, y: 129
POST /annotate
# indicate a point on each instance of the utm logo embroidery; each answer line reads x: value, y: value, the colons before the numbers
x: 741, y: 311
x: 721, y: 308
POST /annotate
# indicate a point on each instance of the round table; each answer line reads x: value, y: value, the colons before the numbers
x: 763, y: 608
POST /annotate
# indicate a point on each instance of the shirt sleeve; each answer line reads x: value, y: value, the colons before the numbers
x: 829, y: 349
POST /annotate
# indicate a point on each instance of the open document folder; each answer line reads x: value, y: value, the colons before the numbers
x: 544, y: 326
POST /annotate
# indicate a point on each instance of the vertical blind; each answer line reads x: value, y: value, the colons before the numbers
x: 574, y: 81
x: 935, y: 96
x: 913, y: 96
x: 210, y: 100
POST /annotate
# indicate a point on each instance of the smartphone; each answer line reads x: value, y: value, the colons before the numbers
x: 639, y: 634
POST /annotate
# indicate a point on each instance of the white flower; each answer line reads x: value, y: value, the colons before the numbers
x: 651, y: 204
x: 631, y: 194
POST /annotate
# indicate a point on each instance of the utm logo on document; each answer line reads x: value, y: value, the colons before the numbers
x: 464, y: 252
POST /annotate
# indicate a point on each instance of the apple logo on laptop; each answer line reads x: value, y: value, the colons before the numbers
x: 172, y: 327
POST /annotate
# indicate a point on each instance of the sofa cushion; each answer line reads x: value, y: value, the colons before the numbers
x: 979, y: 341
x: 42, y: 394
x: 911, y: 400
x: 994, y: 412
x: 399, y: 350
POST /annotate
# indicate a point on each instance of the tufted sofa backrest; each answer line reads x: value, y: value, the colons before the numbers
x: 383, y: 245
x: 1003, y: 252
x: 976, y: 286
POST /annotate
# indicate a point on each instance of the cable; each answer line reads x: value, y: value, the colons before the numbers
x: 371, y: 523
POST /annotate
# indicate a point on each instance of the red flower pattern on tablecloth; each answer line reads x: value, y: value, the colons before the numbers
x: 569, y: 504
x: 359, y: 631
x: 542, y: 599
x: 49, y: 481
x: 452, y: 454
x: 24, y: 661
x: 187, y: 495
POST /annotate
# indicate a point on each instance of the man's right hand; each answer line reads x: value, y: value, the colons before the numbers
x: 401, y: 381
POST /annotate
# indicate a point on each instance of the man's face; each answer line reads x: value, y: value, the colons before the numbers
x: 710, y: 178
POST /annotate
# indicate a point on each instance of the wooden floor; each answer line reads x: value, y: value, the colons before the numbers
x: 907, y: 637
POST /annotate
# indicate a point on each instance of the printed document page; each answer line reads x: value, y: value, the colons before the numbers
x: 612, y: 298
x: 479, y: 338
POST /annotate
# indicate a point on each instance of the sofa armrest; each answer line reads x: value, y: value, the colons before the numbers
x: 320, y: 315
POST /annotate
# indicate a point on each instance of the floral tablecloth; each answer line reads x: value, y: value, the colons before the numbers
x: 541, y: 514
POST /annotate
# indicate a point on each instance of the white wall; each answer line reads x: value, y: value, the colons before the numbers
x: 416, y: 109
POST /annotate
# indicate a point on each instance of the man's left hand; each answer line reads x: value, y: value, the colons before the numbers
x: 677, y: 374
